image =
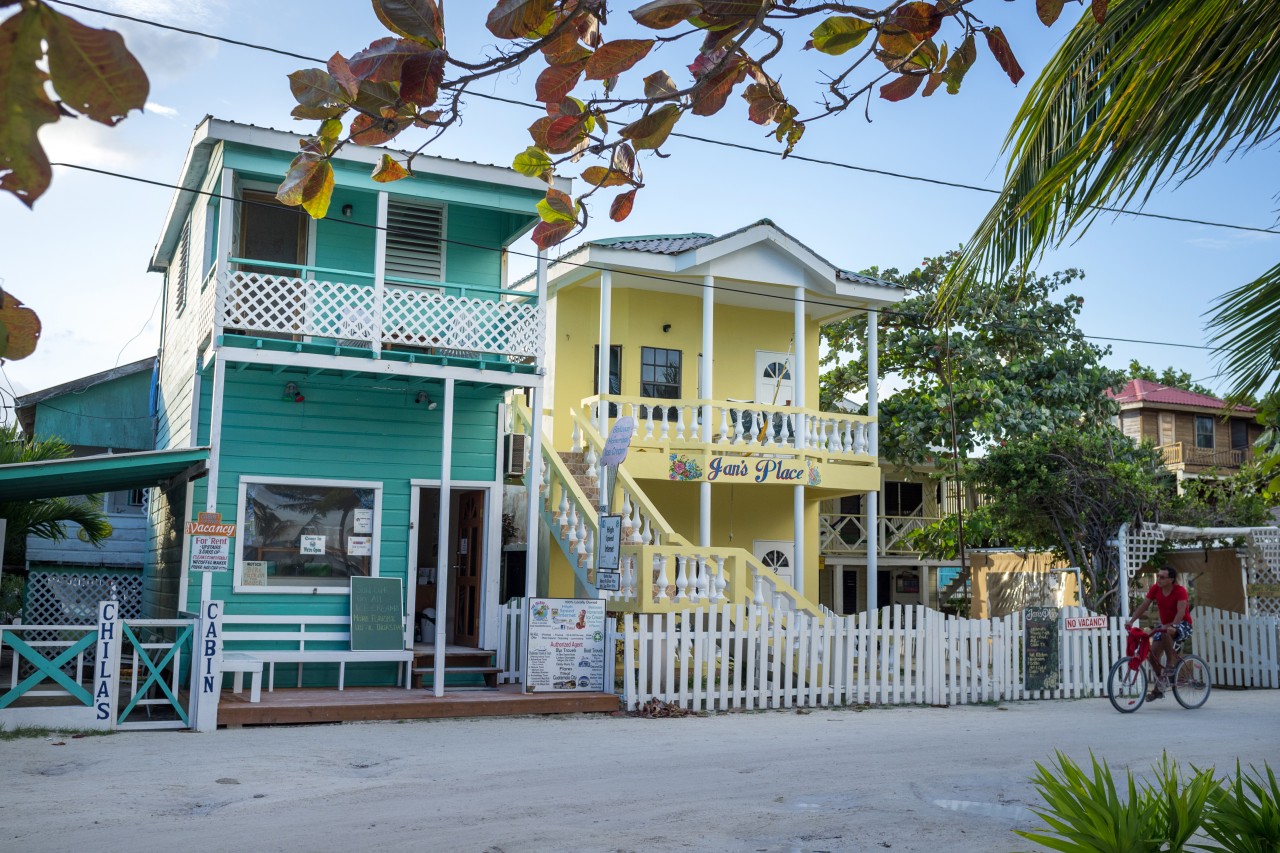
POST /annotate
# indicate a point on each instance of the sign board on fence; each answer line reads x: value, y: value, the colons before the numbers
x: 607, y: 581
x: 565, y: 639
x: 609, y: 548
x: 210, y: 542
x: 1040, y: 644
x: 615, y: 446
x: 1080, y: 623
x: 377, y: 614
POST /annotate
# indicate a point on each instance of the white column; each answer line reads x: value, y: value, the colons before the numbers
x: 708, y: 394
x: 602, y: 371
x: 533, y: 528
x: 215, y: 457
x: 442, y: 539
x: 1123, y: 538
x: 873, y: 409
x: 798, y: 364
x: 226, y: 227
x: 379, y: 272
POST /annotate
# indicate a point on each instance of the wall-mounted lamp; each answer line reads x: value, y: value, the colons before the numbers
x: 666, y: 327
x: 291, y: 392
x: 424, y: 397
x: 347, y: 210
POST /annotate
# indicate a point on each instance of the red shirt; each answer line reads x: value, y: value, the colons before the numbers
x: 1168, y: 604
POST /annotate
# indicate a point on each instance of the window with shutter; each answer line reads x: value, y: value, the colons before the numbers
x: 180, y: 266
x: 415, y: 242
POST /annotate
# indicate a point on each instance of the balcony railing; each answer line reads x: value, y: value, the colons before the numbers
x: 1181, y: 453
x: 847, y: 534
x: 441, y: 317
x: 739, y: 426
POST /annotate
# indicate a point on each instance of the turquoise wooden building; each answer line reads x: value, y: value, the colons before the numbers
x: 349, y: 377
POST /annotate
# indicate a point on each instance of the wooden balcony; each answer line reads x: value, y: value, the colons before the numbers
x: 1180, y: 454
x: 847, y: 534
x: 349, y: 308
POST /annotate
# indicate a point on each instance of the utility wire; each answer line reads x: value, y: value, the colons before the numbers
x: 888, y: 312
x: 691, y: 137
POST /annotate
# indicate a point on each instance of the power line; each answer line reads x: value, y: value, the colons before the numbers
x: 650, y: 276
x: 705, y: 140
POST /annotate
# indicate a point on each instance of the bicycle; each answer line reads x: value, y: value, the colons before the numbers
x: 1127, y: 682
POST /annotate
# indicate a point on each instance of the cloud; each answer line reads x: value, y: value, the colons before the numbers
x: 164, y: 53
x: 1233, y: 240
x: 160, y: 110
x: 87, y: 143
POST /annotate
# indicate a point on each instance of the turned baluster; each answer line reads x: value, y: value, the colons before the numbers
x: 757, y: 595
x: 721, y: 580
x: 627, y: 526
x: 573, y: 525
x: 680, y: 422
x: 648, y: 422
x: 586, y: 544
x: 545, y: 488
x: 682, y: 579
x: 593, y: 465
x: 703, y: 583
x: 562, y: 517
x: 637, y: 533
x: 662, y: 580
x: 737, y: 427
x: 576, y: 439
x: 860, y: 438
x: 723, y: 438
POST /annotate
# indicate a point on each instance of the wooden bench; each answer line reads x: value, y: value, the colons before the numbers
x: 240, y: 663
x: 299, y: 639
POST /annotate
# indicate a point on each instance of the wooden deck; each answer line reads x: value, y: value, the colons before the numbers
x: 316, y: 705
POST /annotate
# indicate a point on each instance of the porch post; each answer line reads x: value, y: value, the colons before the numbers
x: 873, y: 411
x: 798, y: 364
x: 533, y: 537
x: 603, y: 362
x: 442, y: 540
x: 379, y: 272
x: 215, y: 456
x: 705, y: 391
x: 226, y: 225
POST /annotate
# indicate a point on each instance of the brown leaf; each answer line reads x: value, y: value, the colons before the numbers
x: 312, y: 87
x: 902, y: 88
x: 381, y: 61
x: 92, y: 71
x: 934, y: 81
x: 419, y: 20
x: 309, y: 182
x: 920, y: 19
x: 564, y: 49
x: 664, y: 14
x: 617, y: 57
x: 389, y: 169
x: 621, y: 207
x: 1100, y: 11
x: 340, y: 71
x: 652, y: 130
x: 547, y: 234
x: 564, y: 133
x: 1000, y: 49
x: 367, y: 130
x: 624, y: 161
x: 1049, y: 10
x: 24, y: 168
x: 712, y: 91
x: 659, y: 85
x: 599, y: 176
x: 21, y: 327
x: 318, y: 112
x: 762, y: 103
x: 517, y: 19
x: 421, y: 76
x: 557, y: 81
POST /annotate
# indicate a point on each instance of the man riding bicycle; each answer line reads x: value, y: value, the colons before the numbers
x: 1173, y: 605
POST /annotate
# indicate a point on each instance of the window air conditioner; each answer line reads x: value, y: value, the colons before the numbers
x: 517, y: 455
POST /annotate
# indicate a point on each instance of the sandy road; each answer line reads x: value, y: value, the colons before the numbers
x: 906, y: 779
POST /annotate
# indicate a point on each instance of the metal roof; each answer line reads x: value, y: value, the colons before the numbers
x: 1146, y: 391
x: 106, y: 472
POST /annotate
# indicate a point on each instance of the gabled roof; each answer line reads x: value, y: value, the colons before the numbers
x: 24, y: 406
x: 1139, y: 391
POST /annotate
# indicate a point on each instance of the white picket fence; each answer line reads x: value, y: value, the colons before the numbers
x: 741, y: 657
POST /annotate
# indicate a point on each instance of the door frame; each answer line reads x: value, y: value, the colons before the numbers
x: 765, y: 357
x: 491, y: 570
x: 787, y: 546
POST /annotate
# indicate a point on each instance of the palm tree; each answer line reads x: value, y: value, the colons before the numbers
x: 1155, y: 94
x: 46, y: 517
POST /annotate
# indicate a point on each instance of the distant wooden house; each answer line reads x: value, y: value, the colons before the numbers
x: 1197, y: 433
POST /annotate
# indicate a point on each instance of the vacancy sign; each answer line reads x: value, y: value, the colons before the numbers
x: 210, y: 542
x: 1079, y: 623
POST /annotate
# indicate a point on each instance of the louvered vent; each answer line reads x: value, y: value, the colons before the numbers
x: 415, y: 241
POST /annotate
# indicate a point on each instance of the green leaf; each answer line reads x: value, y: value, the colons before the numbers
x: 558, y: 207
x: 599, y: 176
x: 91, y: 69
x: 389, y: 169
x: 532, y: 162
x: 617, y: 57
x: 320, y: 113
x: 518, y: 19
x: 959, y: 64
x: 664, y: 14
x: 839, y: 34
x: 331, y: 129
x: 308, y: 183
x: 312, y: 87
x: 652, y: 130
x: 24, y: 168
x: 419, y: 20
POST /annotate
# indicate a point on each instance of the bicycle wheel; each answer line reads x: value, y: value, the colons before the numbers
x: 1191, y: 682
x: 1127, y: 688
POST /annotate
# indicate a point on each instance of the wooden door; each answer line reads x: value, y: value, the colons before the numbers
x: 1166, y: 428
x: 468, y: 564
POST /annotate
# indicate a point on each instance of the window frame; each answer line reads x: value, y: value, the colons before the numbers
x: 645, y: 363
x: 237, y: 582
x: 1200, y: 421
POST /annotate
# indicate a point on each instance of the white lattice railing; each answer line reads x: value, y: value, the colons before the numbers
x: 847, y: 533
x: 746, y: 426
x: 408, y: 316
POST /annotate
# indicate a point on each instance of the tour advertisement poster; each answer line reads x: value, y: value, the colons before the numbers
x: 566, y: 645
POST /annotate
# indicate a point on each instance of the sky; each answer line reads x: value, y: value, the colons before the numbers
x: 80, y: 257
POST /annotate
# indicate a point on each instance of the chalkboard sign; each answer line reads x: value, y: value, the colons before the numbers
x: 377, y: 614
x: 1041, y: 663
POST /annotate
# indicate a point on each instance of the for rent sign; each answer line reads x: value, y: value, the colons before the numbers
x: 210, y: 542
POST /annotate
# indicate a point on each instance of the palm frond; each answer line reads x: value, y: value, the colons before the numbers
x: 1247, y: 319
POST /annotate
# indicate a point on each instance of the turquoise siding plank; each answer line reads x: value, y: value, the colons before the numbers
x: 111, y: 414
x: 344, y: 244
x: 346, y: 429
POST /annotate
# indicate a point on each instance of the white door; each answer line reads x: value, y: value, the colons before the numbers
x: 773, y: 378
x: 778, y: 555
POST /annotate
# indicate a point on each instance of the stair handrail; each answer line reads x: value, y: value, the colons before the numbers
x: 628, y: 484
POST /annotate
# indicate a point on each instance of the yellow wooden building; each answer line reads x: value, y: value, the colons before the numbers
x: 710, y: 346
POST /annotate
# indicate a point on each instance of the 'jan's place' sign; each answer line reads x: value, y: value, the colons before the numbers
x: 738, y: 469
